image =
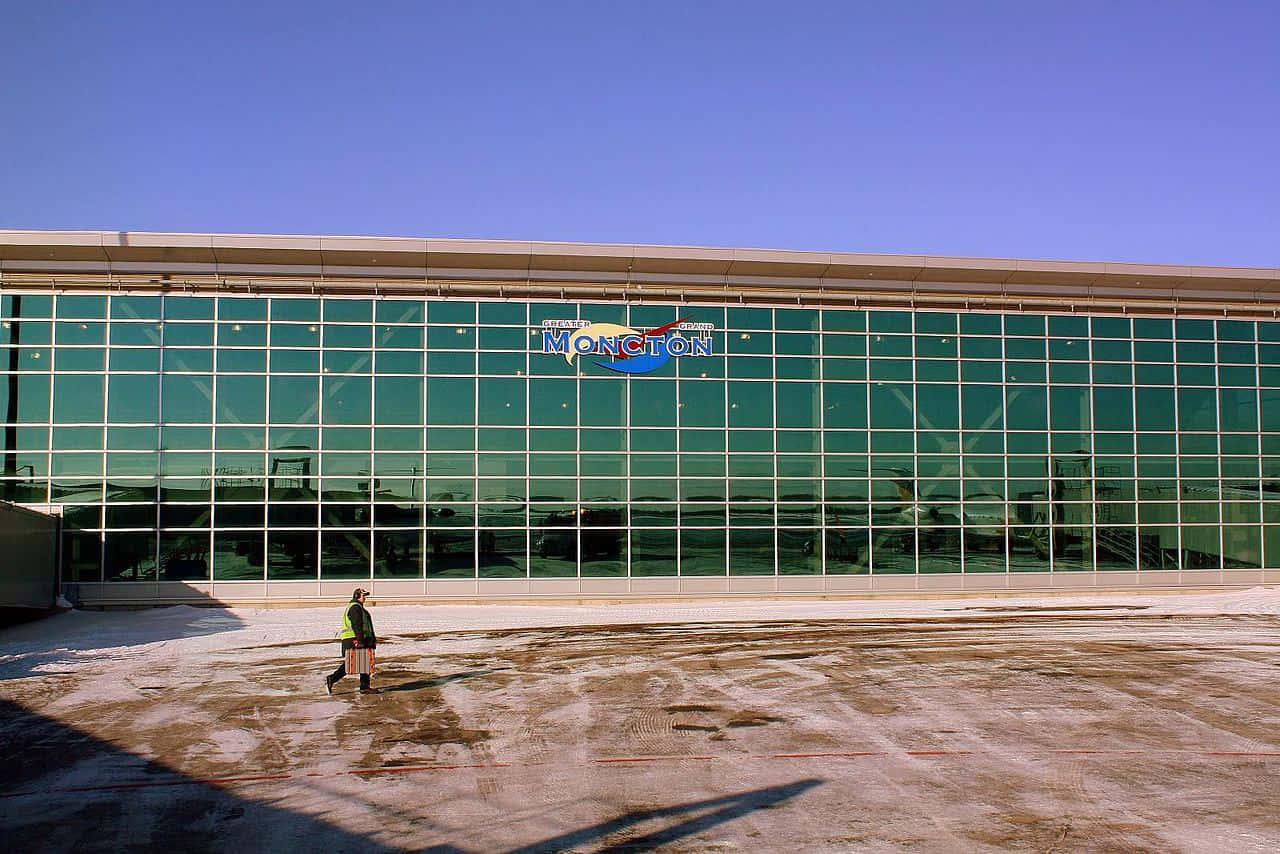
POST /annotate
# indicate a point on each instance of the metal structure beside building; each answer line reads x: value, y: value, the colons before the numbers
x: 28, y: 558
x: 255, y: 418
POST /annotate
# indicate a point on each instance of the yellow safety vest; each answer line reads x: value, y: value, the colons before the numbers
x: 347, y: 630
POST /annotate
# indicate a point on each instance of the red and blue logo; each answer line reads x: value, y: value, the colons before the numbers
x: 628, y: 351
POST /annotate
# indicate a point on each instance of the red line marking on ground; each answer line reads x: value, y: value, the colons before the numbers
x: 618, y: 760
x: 824, y: 755
x: 404, y: 769
x: 253, y: 779
x: 401, y: 769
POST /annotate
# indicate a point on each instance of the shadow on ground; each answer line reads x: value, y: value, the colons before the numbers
x: 66, y: 790
x: 53, y: 799
x: 41, y: 646
x: 717, y: 811
x: 436, y: 682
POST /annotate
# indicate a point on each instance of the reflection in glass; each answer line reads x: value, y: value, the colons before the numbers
x: 603, y: 551
x: 344, y: 554
x: 292, y: 555
x: 554, y: 550
x: 1202, y: 547
x: 702, y: 551
x: 1071, y: 499
x: 1242, y: 546
x: 893, y: 550
x: 503, y: 553
x: 130, y: 556
x: 184, y: 557
x: 800, y: 551
x: 751, y: 551
x: 237, y: 555
x: 1116, y: 548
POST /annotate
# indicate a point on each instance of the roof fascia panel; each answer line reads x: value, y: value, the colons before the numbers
x: 374, y: 252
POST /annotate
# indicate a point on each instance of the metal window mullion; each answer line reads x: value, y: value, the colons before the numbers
x: 528, y: 457
x: 1093, y: 456
x: 627, y: 479
x: 420, y: 477
x: 962, y: 532
x: 160, y: 413
x: 266, y: 441
x: 106, y: 408
x: 866, y: 399
x: 1049, y: 468
x: 915, y: 452
x: 725, y: 395
x: 820, y: 541
x: 577, y: 461
x: 102, y: 499
x: 373, y: 417
x: 679, y: 503
x: 48, y: 446
x: 1177, y: 454
x: 318, y: 541
x: 213, y: 420
x: 1257, y: 401
x: 773, y: 402
x: 1133, y: 406
x: 1004, y: 450
x: 1217, y: 423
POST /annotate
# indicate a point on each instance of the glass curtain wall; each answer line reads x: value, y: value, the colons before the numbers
x: 239, y: 438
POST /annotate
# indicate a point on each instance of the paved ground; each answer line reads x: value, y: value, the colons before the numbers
x: 1086, y: 729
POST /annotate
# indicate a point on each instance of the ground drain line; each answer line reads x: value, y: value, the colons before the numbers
x: 624, y: 760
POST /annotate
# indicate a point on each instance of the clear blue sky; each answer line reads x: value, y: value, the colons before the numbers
x: 1126, y: 131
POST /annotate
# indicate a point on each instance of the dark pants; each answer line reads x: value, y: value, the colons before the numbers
x: 342, y: 666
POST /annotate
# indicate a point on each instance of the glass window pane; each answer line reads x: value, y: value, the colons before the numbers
x: 798, y: 405
x: 1237, y: 409
x: 1026, y: 408
x: 348, y: 310
x: 938, y: 407
x: 133, y: 398
x: 1200, y: 329
x: 501, y: 401
x: 77, y: 398
x: 242, y: 399
x: 451, y: 338
x: 1197, y: 409
x: 890, y: 369
x: 450, y: 400
x: 399, y: 400
x: 892, y: 406
x: 553, y: 402
x: 451, y: 312
x: 346, y: 400
x: 1069, y: 409
x: 295, y: 309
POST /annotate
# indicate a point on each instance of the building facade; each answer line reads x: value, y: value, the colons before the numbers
x: 274, y: 419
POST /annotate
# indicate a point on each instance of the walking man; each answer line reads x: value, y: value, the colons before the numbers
x: 357, y: 633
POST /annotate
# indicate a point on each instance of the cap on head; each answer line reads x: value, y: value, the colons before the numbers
x: 359, y: 591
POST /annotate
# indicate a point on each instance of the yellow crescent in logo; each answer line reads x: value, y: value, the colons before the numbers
x: 596, y: 330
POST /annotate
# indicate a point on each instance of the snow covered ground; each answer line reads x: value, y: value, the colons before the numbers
x: 114, y: 636
x: 1096, y: 722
